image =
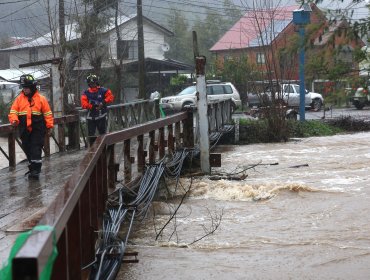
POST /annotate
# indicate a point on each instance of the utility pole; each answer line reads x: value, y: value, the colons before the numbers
x: 61, y: 68
x: 200, y: 64
x: 62, y: 47
x: 301, y: 18
x: 141, y: 55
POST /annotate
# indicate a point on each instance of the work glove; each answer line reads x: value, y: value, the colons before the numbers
x: 50, y: 132
x: 14, y: 123
x: 94, y: 107
x: 100, y: 106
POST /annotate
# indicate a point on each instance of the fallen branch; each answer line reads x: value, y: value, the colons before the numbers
x: 216, y: 221
x: 234, y: 178
x: 299, y: 165
x: 175, y: 212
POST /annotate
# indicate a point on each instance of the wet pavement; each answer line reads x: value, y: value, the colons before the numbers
x: 23, y: 201
x: 329, y: 113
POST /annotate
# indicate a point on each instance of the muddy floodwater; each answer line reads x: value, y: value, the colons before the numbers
x: 302, y: 213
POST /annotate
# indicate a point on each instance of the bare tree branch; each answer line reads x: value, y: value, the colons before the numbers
x: 215, y: 224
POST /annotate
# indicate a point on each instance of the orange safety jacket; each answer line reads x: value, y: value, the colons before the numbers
x: 30, y: 113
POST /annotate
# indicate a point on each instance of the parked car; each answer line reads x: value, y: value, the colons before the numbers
x: 361, y: 98
x: 216, y: 91
x: 289, y: 94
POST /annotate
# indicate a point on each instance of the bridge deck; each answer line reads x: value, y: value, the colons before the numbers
x: 23, y: 201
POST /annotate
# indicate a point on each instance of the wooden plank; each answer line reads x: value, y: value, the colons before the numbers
x: 28, y: 223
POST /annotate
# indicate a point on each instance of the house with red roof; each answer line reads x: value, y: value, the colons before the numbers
x: 268, y: 39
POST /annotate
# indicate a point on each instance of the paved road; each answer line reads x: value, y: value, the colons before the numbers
x: 328, y: 114
x: 339, y: 112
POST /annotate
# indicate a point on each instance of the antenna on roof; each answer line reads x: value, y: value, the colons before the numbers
x: 165, y: 47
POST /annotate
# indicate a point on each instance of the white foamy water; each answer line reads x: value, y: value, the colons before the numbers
x: 303, y: 213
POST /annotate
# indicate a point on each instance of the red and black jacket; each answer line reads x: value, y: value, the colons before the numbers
x: 92, y: 98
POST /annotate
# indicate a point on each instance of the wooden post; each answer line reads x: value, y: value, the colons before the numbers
x: 178, y: 135
x: 111, y: 167
x: 188, y: 131
x: 161, y: 143
x: 152, y: 147
x: 140, y: 154
x: 127, y: 160
x: 11, y: 150
x: 170, y: 139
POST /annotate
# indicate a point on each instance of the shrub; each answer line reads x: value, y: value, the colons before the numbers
x: 258, y: 131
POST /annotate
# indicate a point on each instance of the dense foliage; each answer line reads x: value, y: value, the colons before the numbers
x: 258, y: 130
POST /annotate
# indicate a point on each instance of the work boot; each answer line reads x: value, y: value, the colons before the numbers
x: 34, y: 175
x: 29, y: 169
x: 35, y: 170
x: 92, y: 140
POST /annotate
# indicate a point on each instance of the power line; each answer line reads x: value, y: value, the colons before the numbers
x: 25, y: 7
x: 13, y: 2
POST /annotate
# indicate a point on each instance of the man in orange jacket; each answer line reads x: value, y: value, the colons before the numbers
x: 95, y: 99
x: 31, y: 113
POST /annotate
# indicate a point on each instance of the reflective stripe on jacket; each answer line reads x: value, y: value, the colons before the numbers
x: 31, y: 113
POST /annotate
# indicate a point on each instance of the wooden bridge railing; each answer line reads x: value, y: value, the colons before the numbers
x: 76, y: 214
x: 219, y: 114
x: 69, y: 129
x: 65, y: 126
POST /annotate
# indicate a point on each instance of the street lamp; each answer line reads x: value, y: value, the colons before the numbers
x: 301, y: 18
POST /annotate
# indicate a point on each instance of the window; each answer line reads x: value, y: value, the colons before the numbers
x: 261, y: 58
x: 33, y: 55
x: 288, y: 89
x: 228, y: 90
x: 127, y: 49
x: 228, y: 57
x: 219, y: 89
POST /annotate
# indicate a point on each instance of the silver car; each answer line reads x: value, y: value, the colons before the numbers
x: 215, y: 92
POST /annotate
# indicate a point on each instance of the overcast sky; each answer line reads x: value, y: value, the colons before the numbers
x: 28, y: 17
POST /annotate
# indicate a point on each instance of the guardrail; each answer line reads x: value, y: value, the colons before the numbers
x: 69, y: 129
x: 65, y: 126
x: 72, y: 221
x: 219, y: 113
x: 76, y: 212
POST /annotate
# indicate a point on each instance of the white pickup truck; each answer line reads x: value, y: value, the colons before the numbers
x: 290, y: 95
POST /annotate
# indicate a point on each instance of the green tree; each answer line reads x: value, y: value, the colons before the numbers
x: 91, y: 25
x: 181, y: 44
x: 209, y: 30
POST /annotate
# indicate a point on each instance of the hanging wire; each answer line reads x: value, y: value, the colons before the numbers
x: 128, y: 204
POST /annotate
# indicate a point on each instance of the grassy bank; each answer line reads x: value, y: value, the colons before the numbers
x: 257, y: 131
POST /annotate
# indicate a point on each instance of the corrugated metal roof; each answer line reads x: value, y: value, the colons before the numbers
x: 248, y: 30
x: 266, y: 36
x: 72, y: 34
x: 14, y: 74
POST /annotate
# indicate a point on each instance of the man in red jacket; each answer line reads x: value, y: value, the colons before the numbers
x: 31, y: 113
x: 95, y: 99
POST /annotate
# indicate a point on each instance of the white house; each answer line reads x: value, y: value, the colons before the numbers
x: 155, y: 47
x: 46, y: 46
x: 365, y: 64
